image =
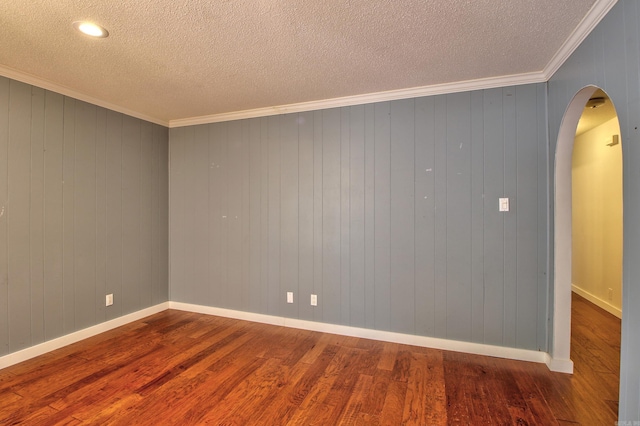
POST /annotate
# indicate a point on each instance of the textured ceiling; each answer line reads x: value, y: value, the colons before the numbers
x: 171, y: 59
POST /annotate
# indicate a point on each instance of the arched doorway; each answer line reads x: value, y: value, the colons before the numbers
x: 561, y: 338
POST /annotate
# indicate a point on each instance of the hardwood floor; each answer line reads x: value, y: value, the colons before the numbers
x: 184, y: 368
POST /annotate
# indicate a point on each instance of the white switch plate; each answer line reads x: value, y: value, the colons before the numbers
x: 314, y: 300
x: 109, y: 300
x: 503, y: 204
x: 289, y: 297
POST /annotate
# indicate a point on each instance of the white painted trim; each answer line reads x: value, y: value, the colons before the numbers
x: 563, y: 366
x: 598, y: 11
x: 561, y: 332
x: 613, y: 310
x: 51, y: 345
x: 559, y: 365
x: 386, y: 336
x: 63, y: 90
x: 391, y: 95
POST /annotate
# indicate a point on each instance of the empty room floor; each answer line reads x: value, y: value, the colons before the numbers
x: 184, y: 368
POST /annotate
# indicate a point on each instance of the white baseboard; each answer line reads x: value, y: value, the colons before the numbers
x: 564, y: 366
x: 559, y: 365
x: 613, y: 310
x: 51, y: 345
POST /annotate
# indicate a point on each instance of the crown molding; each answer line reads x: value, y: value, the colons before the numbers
x: 593, y: 17
x: 391, y: 95
x: 584, y: 28
x: 63, y: 90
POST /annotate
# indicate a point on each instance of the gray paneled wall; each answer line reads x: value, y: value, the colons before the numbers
x: 83, y: 212
x: 609, y: 58
x: 388, y: 212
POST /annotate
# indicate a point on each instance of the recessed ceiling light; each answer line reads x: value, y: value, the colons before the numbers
x: 91, y: 29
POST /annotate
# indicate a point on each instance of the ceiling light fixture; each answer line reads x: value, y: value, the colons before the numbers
x: 91, y: 29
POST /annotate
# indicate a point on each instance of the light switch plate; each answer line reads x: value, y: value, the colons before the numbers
x: 503, y: 204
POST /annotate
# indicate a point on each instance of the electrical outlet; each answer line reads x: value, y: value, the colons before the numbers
x: 289, y: 297
x: 610, y: 294
x: 314, y: 300
x: 109, y: 300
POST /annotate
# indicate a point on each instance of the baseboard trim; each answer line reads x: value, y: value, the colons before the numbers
x: 564, y: 366
x: 57, y: 343
x: 556, y: 365
x: 559, y: 365
x: 597, y: 301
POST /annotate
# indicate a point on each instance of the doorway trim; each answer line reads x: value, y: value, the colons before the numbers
x: 561, y: 339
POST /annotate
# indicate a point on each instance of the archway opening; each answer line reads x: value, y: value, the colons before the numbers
x: 597, y: 206
x: 563, y: 223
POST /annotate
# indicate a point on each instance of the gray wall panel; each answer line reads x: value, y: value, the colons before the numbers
x: 4, y: 197
x: 264, y: 215
x: 215, y: 214
x: 388, y: 212
x: 317, y: 212
x: 146, y: 215
x: 161, y: 231
x: 114, y: 218
x: 306, y: 183
x: 130, y: 215
x: 245, y: 215
x: 440, y: 218
x: 36, y: 223
x: 68, y: 216
x: 369, y: 216
x: 84, y: 213
x: 61, y: 235
x: 357, y: 242
x: 425, y: 217
x: 199, y: 221
x: 609, y: 59
x: 330, y: 293
x: 345, y: 224
x: 402, y: 226
x: 273, y: 214
x: 382, y: 215
x: 255, y: 209
x: 101, y: 215
x: 510, y: 219
x: 543, y: 208
x: 493, y: 220
x: 289, y: 187
x: 527, y: 219
x: 458, y: 211
x: 477, y: 216
x: 53, y: 121
x: 234, y: 215
x: 18, y: 178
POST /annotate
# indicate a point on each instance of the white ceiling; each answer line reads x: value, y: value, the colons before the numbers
x: 172, y: 61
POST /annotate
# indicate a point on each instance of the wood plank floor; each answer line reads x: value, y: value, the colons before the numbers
x: 184, y: 368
